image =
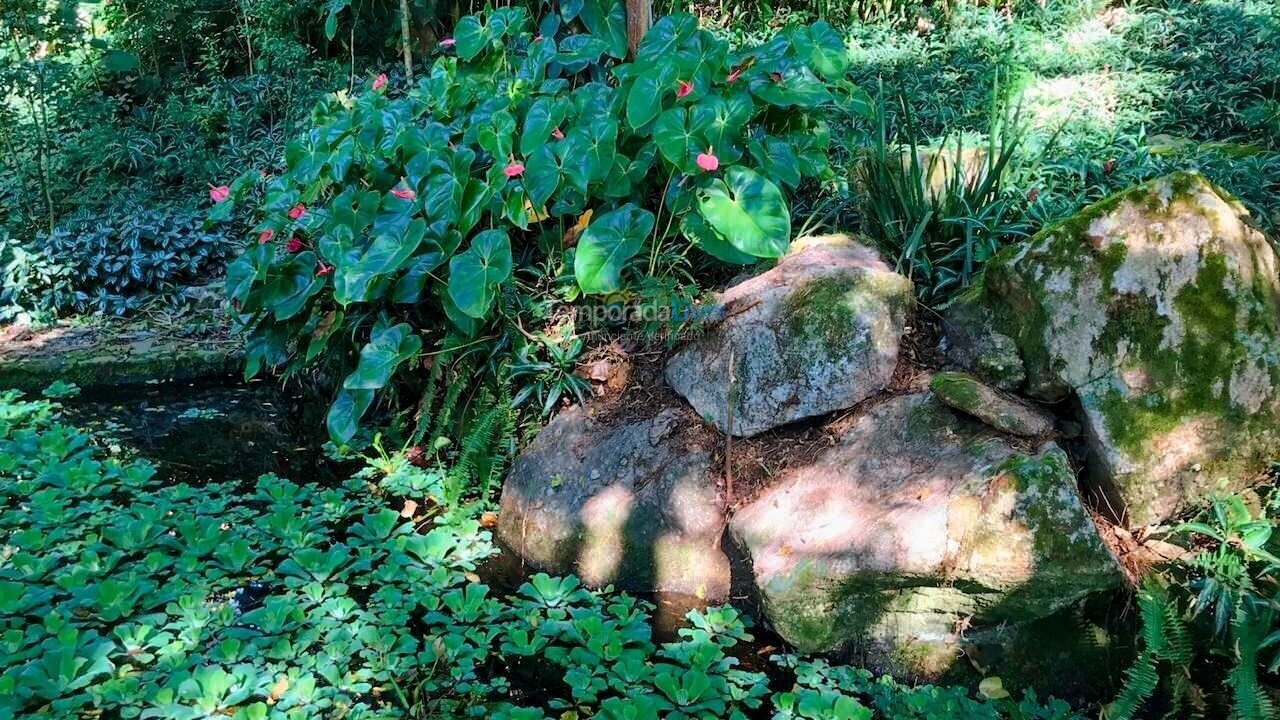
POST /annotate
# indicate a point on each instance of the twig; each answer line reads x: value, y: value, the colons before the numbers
x: 728, y: 438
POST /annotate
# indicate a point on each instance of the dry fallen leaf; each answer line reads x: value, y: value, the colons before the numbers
x: 279, y: 689
x: 535, y: 215
x: 410, y: 507
x: 488, y: 519
x: 571, y: 237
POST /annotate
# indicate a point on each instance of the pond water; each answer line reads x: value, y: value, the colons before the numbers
x: 208, y: 432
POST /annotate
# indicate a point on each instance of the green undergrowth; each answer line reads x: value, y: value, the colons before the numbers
x: 124, y: 594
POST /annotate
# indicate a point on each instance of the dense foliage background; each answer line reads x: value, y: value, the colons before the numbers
x: 410, y: 204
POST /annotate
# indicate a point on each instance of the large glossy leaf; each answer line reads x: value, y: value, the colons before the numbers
x: 748, y: 211
x: 699, y: 231
x: 386, y: 349
x: 470, y: 37
x: 827, y: 52
x: 644, y: 99
x: 607, y: 20
x: 290, y: 285
x: 408, y: 289
x: 386, y: 255
x: 344, y: 414
x: 607, y: 244
x: 544, y: 116
x: 667, y: 35
x: 797, y: 86
x: 541, y: 175
x: 680, y: 135
x: 475, y: 274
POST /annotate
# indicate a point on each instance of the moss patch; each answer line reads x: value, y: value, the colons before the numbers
x: 957, y: 390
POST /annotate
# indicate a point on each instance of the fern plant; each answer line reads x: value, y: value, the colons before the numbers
x: 1222, y: 601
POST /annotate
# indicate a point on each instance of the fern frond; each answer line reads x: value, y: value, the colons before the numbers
x: 1249, y: 628
x: 1140, y: 682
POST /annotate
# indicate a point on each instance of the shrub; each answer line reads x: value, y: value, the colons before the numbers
x: 940, y: 213
x: 400, y: 218
x: 110, y: 263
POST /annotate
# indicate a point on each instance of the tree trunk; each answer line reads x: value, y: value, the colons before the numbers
x: 406, y: 41
x: 639, y: 18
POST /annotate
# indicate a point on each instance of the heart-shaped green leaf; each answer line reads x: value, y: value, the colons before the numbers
x: 749, y: 211
x: 475, y: 274
x: 607, y: 244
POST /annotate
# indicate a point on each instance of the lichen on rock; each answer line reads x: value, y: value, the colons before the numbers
x: 1006, y: 414
x: 1158, y: 309
x: 817, y: 333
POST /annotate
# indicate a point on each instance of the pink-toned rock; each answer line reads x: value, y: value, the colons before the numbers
x: 630, y: 504
x: 919, y: 525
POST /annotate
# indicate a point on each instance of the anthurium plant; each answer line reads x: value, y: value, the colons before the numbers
x: 404, y: 216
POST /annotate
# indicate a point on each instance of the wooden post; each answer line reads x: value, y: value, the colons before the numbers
x: 639, y: 18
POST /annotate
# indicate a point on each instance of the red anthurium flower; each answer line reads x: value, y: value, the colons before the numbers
x: 708, y: 161
x: 404, y: 193
x: 513, y: 169
x: 447, y: 43
x: 294, y: 245
x: 380, y: 81
x: 684, y: 89
x: 220, y: 193
x: 557, y: 134
x: 322, y: 269
x: 265, y: 236
x: 297, y: 211
x: 733, y: 76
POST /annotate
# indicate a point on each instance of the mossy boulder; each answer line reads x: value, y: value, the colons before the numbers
x: 623, y: 502
x: 817, y: 333
x: 919, y: 528
x: 1158, y: 309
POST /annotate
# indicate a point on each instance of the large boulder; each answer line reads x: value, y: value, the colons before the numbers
x: 628, y: 502
x: 1159, y: 310
x: 817, y: 333
x: 920, y: 528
